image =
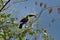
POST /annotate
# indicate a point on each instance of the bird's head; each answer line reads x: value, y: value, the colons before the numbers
x: 31, y: 15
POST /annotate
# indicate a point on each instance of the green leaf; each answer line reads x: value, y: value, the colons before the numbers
x: 30, y: 31
x: 16, y: 24
x: 37, y: 25
x: 51, y: 38
x: 38, y: 31
x: 0, y: 16
x: 0, y: 35
x: 8, y: 15
x: 27, y: 39
x: 12, y: 20
x: 20, y: 36
x: 45, y: 36
x: 9, y: 33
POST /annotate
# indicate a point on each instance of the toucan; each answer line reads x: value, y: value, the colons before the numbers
x: 25, y: 19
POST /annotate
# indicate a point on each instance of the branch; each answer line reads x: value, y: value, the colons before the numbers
x: 4, y: 5
x: 43, y: 11
x: 14, y: 3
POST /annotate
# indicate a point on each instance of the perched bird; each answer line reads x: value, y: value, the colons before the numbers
x: 25, y: 20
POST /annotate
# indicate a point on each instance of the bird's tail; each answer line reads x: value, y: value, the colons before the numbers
x: 20, y: 26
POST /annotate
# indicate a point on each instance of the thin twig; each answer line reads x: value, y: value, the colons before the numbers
x: 43, y: 11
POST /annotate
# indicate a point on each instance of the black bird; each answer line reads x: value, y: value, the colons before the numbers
x: 25, y: 20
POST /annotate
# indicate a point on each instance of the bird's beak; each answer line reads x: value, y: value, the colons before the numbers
x: 36, y: 16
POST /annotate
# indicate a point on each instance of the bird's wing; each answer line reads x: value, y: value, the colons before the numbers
x: 24, y: 20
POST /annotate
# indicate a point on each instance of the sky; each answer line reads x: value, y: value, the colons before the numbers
x: 24, y: 8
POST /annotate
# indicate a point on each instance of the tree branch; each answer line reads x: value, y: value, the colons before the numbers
x: 14, y: 3
x: 4, y: 5
x: 43, y: 11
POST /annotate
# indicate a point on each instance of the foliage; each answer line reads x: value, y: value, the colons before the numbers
x: 9, y: 28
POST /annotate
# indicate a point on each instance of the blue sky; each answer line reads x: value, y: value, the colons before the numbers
x: 19, y: 10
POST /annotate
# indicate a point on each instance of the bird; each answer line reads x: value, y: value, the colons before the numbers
x: 26, y: 19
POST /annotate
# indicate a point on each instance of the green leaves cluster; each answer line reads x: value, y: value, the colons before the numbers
x: 9, y: 27
x: 7, y: 24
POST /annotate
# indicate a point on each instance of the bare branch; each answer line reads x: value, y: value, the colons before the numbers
x: 43, y: 11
